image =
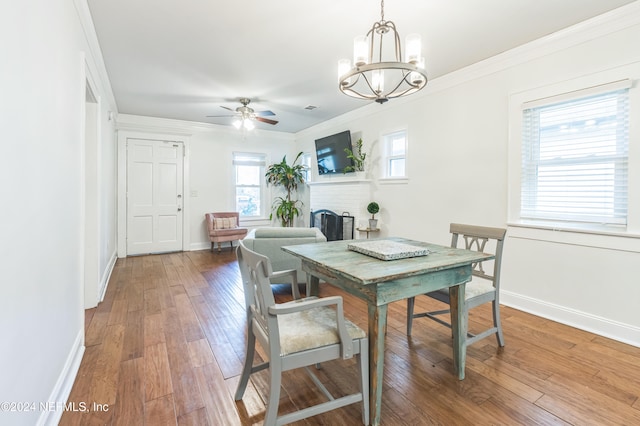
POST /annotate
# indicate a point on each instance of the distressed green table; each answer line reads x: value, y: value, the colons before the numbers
x: 380, y: 282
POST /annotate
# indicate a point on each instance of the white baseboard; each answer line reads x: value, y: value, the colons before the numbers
x: 62, y: 388
x: 584, y: 321
x: 199, y: 246
x: 107, y: 276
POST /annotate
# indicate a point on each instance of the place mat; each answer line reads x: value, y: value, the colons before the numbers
x: 387, y: 250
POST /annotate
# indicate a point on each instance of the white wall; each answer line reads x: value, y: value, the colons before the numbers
x: 42, y: 81
x: 209, y: 178
x: 458, y: 169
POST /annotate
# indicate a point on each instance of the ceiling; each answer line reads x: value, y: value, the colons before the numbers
x: 186, y: 59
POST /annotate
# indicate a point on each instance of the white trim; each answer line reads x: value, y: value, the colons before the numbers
x: 104, y: 282
x: 62, y: 388
x: 331, y: 181
x: 90, y: 36
x: 581, y: 320
x: 123, y: 136
x: 393, y: 180
x: 580, y: 93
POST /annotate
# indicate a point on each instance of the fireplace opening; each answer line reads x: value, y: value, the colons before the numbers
x: 332, y: 225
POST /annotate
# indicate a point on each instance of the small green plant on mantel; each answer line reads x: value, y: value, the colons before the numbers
x: 358, y: 158
x: 373, y: 208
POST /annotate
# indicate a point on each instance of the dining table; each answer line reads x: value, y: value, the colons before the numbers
x: 379, y: 281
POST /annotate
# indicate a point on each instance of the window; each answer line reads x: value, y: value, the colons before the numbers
x: 305, y: 160
x: 395, y: 153
x: 574, y: 158
x: 250, y: 183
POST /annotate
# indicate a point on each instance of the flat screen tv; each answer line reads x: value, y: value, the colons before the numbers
x: 331, y: 155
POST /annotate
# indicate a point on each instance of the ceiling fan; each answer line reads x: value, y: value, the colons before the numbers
x: 245, y: 115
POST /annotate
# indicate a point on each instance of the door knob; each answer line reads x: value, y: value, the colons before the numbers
x: 179, y: 209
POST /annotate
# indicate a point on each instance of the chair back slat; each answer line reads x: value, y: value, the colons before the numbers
x: 258, y: 285
x: 477, y: 238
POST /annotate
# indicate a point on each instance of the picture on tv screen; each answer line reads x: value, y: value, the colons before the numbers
x: 331, y: 155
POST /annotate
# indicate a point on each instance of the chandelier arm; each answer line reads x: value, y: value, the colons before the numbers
x: 398, y: 46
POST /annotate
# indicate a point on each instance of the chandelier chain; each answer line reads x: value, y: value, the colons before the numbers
x: 382, y: 10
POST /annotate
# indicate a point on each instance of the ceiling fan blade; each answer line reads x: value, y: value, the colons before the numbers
x: 266, y: 120
x: 264, y: 113
x: 227, y: 108
x: 218, y: 116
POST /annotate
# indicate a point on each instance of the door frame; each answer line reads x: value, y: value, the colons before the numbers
x: 92, y: 172
x: 123, y: 137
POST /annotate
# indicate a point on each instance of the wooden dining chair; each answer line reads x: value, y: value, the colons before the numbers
x: 297, y: 334
x: 483, y: 288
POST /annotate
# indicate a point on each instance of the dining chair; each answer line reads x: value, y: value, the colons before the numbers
x: 297, y: 334
x: 484, y: 286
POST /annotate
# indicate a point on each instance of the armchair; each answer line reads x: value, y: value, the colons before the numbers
x: 223, y: 226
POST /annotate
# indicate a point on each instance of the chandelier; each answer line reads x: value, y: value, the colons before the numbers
x: 373, y: 72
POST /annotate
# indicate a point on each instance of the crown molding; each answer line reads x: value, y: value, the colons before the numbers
x: 138, y: 123
x: 95, y: 53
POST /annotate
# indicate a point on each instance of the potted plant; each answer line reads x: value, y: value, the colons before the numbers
x: 289, y: 177
x: 358, y: 158
x: 373, y: 208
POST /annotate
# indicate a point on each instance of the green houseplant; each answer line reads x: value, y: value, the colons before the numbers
x: 373, y: 208
x: 358, y: 158
x: 287, y: 176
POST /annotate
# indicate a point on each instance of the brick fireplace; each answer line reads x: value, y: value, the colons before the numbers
x: 342, y: 196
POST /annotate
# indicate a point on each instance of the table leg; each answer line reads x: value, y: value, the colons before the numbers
x: 459, y: 328
x: 313, y: 285
x: 377, y: 331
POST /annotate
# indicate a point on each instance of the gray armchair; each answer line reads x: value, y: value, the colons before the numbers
x: 269, y: 242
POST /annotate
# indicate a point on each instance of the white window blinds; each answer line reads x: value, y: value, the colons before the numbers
x: 574, y: 158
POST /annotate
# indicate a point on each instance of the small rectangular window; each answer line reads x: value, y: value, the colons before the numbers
x: 249, y: 184
x: 395, y: 154
x: 574, y: 159
x: 305, y: 160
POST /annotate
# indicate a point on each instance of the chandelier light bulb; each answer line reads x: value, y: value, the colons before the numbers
x: 344, y: 66
x: 360, y: 52
x: 377, y: 81
x: 237, y: 123
x: 413, y: 46
x: 417, y: 78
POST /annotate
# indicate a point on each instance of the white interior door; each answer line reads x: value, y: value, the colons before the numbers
x: 154, y: 196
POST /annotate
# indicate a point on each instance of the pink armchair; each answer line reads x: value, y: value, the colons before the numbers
x: 223, y: 226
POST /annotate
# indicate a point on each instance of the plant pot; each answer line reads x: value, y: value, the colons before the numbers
x: 373, y: 223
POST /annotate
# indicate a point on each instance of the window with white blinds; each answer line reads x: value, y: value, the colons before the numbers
x: 249, y: 184
x: 574, y: 158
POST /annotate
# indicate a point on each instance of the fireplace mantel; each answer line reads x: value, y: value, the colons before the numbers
x: 340, y: 181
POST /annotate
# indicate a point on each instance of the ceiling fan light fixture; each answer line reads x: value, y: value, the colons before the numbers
x: 245, y: 117
x: 373, y: 71
x: 248, y: 124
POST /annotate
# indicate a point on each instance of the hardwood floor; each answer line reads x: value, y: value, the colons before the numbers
x: 166, y: 347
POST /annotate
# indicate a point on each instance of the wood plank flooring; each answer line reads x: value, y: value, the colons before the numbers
x: 166, y: 347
